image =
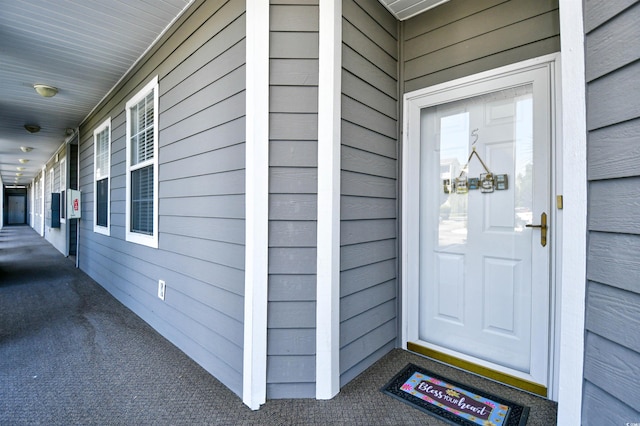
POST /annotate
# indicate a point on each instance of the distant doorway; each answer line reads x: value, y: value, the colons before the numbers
x: 17, y: 210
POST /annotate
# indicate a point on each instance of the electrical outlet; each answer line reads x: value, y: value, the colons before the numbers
x: 162, y: 287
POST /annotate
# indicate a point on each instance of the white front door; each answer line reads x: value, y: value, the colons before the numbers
x: 477, y: 172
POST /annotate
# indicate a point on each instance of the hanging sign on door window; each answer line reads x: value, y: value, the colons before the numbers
x: 487, y: 182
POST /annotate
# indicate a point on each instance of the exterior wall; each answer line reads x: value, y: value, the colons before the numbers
x: 56, y: 236
x: 37, y: 212
x: 200, y: 64
x: 612, y: 345
x: 293, y: 160
x: 369, y: 195
x: 72, y: 183
x: 461, y: 38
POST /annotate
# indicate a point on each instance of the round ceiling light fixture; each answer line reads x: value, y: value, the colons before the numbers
x: 45, y: 90
x: 23, y: 160
x: 32, y: 128
x: 25, y: 148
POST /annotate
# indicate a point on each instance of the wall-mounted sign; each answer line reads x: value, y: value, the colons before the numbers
x: 74, y: 202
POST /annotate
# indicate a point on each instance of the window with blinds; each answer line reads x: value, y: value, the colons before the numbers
x: 102, y: 169
x: 142, y: 135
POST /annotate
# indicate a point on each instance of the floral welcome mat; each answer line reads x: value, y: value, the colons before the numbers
x: 453, y: 402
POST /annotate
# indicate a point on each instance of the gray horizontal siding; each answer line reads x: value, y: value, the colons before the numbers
x: 597, y: 410
x: 456, y: 39
x: 614, y: 150
x: 298, y: 72
x: 611, y: 99
x: 613, y: 313
x: 293, y: 187
x: 368, y: 235
x: 608, y: 46
x: 613, y: 368
x: 613, y: 260
x: 612, y: 345
x: 200, y: 65
x: 281, y: 287
x: 612, y: 204
x: 597, y: 13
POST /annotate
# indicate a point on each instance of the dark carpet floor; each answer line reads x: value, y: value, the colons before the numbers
x: 70, y: 354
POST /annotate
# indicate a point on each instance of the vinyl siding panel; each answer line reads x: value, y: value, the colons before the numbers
x: 368, y: 237
x: 456, y: 40
x: 612, y: 46
x: 613, y: 312
x: 612, y: 100
x: 200, y: 67
x: 612, y: 347
x: 293, y: 187
x: 613, y: 368
x: 597, y: 412
x: 614, y: 150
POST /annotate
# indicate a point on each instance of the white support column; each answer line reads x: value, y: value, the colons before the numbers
x: 43, y: 182
x: 328, y: 255
x: 574, y: 163
x: 254, y: 386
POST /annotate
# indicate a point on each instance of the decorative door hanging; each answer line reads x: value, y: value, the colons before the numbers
x: 487, y: 182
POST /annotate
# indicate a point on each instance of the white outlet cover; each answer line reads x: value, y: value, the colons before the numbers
x: 161, y: 289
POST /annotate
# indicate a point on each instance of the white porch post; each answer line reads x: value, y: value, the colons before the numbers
x: 574, y: 250
x: 328, y: 254
x: 254, y: 386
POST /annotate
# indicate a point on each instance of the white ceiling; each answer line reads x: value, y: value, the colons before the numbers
x: 405, y: 9
x: 83, y: 48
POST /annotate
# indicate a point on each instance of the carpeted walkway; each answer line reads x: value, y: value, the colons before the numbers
x: 70, y: 354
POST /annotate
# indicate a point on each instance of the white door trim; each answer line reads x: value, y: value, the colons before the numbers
x: 572, y: 273
x: 413, y: 103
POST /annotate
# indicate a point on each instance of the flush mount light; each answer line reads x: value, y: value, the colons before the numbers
x: 32, y: 128
x: 25, y: 148
x: 18, y: 174
x: 45, y: 91
x: 23, y: 160
x: 20, y: 169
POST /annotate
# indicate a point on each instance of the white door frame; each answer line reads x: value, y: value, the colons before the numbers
x: 412, y: 106
x: 572, y: 272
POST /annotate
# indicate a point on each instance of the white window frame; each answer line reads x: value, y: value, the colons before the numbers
x: 63, y: 188
x: 136, y: 237
x: 52, y: 179
x: 105, y: 230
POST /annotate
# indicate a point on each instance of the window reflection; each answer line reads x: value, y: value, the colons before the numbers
x: 504, y: 121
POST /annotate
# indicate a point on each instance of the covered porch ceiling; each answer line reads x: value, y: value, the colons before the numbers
x: 81, y: 48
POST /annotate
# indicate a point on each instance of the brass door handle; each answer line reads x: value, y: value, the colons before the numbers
x: 543, y: 229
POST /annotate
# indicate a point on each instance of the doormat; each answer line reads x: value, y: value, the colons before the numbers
x: 453, y: 402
